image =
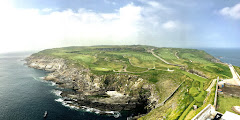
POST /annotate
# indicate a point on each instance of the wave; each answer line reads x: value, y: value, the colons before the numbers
x: 45, y: 81
x: 39, y: 79
x: 59, y: 100
x: 72, y: 105
x: 66, y: 103
x: 35, y: 78
x: 57, y: 92
x: 53, y: 83
x: 116, y: 114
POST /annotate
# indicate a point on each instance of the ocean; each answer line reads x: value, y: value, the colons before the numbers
x: 227, y: 55
x: 25, y: 96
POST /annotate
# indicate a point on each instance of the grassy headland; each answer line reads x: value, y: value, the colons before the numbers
x: 195, y: 69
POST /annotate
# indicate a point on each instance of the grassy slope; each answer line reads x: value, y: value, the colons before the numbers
x: 227, y: 102
x: 237, y: 69
x: 139, y: 61
x: 208, y: 100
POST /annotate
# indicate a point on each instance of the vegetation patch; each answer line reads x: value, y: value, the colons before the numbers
x: 200, y: 97
x: 187, y: 110
x: 193, y: 91
x: 153, y: 80
x: 237, y: 69
x: 195, y: 77
x: 226, y: 103
x: 208, y: 100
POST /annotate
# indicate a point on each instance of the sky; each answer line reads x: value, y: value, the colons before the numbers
x: 40, y: 24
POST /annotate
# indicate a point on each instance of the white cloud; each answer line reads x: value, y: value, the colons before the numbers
x: 130, y: 13
x: 46, y: 9
x: 153, y: 3
x: 170, y: 25
x: 233, y: 12
x: 28, y: 29
x: 156, y: 5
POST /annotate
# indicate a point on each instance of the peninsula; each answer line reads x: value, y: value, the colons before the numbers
x: 150, y: 82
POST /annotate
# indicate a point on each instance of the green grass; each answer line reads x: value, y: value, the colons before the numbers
x: 187, y: 110
x: 200, y: 97
x: 153, y: 80
x: 116, y: 57
x: 226, y: 103
x: 237, y: 69
x: 222, y: 70
x: 169, y: 55
x: 201, y: 85
x: 194, y: 58
x: 173, y: 108
x: 197, y: 56
x: 208, y: 100
x: 131, y: 68
x: 137, y: 60
x: 193, y: 91
x: 195, y: 83
x: 195, y: 77
x: 101, y: 69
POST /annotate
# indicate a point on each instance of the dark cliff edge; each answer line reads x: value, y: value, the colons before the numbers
x: 110, y: 92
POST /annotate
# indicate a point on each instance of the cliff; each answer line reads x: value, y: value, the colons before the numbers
x: 110, y: 92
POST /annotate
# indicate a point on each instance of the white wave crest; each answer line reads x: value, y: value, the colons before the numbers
x: 66, y: 103
x: 53, y: 83
x: 116, y: 114
x: 59, y: 100
x: 71, y: 105
x: 57, y: 92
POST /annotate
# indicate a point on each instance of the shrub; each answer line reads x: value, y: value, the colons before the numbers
x: 193, y: 91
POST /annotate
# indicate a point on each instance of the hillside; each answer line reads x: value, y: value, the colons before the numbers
x: 144, y: 77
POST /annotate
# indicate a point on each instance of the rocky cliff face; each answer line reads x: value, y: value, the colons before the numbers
x: 115, y: 92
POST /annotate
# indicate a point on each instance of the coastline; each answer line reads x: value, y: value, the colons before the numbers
x: 72, y: 98
x: 109, y: 92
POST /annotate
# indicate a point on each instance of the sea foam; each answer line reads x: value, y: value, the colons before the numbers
x: 72, y: 105
x: 57, y: 92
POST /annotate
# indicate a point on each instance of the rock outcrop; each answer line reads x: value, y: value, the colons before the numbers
x: 114, y: 92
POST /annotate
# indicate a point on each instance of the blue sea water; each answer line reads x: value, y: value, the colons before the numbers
x: 24, y: 96
x: 227, y: 55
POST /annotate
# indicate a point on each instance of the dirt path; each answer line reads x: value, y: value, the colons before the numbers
x: 210, y: 87
x: 163, y: 59
x: 125, y: 68
x: 235, y: 75
x: 159, y: 57
x: 135, y: 65
x: 125, y: 71
x: 176, y: 55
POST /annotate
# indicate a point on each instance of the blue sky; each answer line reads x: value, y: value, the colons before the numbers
x: 40, y: 24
